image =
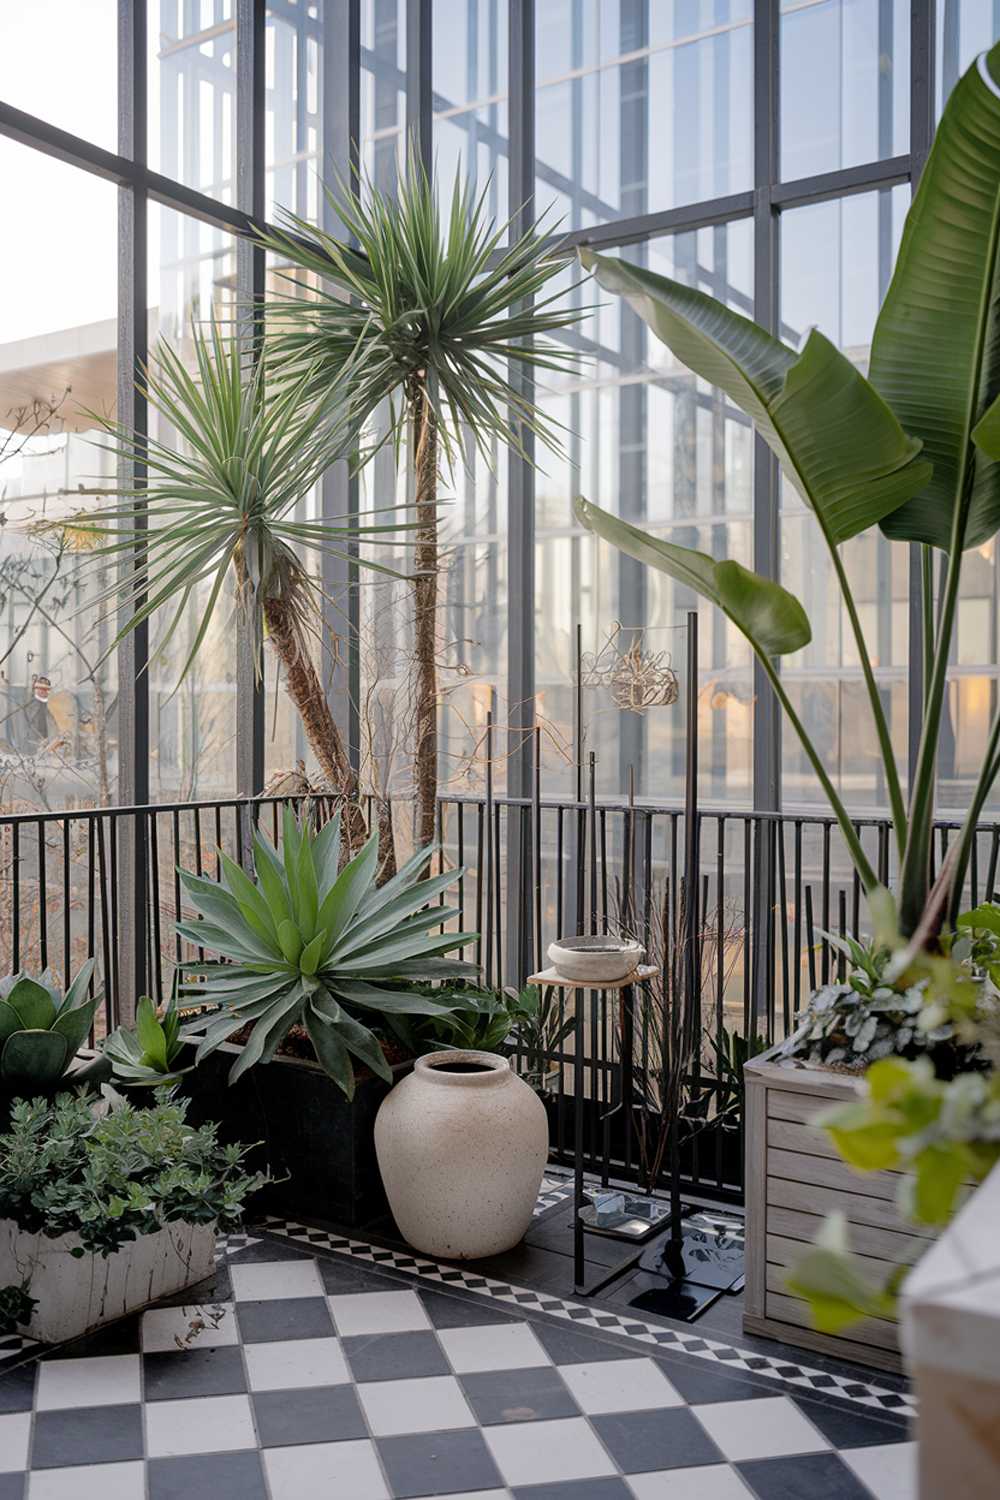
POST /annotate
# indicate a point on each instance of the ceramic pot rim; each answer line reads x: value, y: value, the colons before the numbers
x: 431, y: 1064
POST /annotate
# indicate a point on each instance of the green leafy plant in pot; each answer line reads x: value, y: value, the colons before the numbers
x: 309, y: 944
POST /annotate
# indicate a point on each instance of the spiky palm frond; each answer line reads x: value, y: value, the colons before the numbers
x: 422, y: 295
x: 306, y: 945
x: 247, y: 452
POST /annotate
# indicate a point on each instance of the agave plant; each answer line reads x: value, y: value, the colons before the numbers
x: 436, y: 319
x: 224, y: 499
x: 149, y: 1054
x: 306, y: 945
x: 42, y: 1029
x: 914, y: 449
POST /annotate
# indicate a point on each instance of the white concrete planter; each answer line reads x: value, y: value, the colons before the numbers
x: 76, y: 1295
x: 595, y: 959
x: 951, y: 1337
x: 462, y: 1154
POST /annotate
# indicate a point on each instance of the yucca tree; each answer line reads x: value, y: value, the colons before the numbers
x: 914, y: 449
x: 223, y: 500
x: 437, y: 319
x: 310, y: 943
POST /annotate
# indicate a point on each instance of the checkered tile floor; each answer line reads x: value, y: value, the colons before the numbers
x: 309, y: 1375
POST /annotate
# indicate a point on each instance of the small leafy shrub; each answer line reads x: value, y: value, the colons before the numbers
x: 41, y: 1029
x: 113, y: 1178
x: 16, y: 1307
x: 732, y: 1052
x: 149, y: 1054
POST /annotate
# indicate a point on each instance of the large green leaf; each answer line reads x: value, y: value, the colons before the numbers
x: 74, y: 1025
x: 836, y: 439
x: 33, y: 1003
x: 769, y: 616
x: 936, y: 349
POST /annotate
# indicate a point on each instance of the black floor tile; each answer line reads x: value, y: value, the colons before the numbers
x: 341, y: 1275
x: 224, y: 1476
x: 568, y: 1345
x: 86, y: 1435
x: 849, y: 1426
x: 518, y: 1395
x: 439, y: 1463
x: 319, y: 1414
x: 575, y: 1489
x: 284, y: 1318
x: 119, y: 1337
x: 462, y: 1312
x: 174, y: 1374
x: 642, y: 1440
x: 12, y: 1486
x: 269, y: 1250
x: 700, y: 1381
x: 17, y: 1388
x: 394, y: 1356
x: 818, y: 1476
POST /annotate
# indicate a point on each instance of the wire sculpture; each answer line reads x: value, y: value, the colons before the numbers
x: 636, y: 679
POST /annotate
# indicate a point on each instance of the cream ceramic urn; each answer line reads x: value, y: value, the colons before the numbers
x: 462, y: 1143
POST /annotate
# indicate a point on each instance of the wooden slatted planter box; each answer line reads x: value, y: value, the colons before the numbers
x: 794, y: 1178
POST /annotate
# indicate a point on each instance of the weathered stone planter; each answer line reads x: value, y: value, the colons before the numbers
x: 317, y: 1144
x: 794, y: 1179
x: 78, y: 1294
x: 951, y: 1335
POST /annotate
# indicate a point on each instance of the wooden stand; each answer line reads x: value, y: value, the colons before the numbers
x: 553, y: 980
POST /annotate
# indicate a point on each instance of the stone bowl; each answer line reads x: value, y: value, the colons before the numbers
x: 596, y: 960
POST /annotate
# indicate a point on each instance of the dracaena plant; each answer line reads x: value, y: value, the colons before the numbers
x: 442, y: 325
x: 914, y: 449
x: 305, y: 945
x: 221, y: 499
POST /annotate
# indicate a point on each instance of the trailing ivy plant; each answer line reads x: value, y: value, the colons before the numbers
x: 113, y: 1177
x: 914, y: 450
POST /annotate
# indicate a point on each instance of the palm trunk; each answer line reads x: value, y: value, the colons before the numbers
x: 425, y: 464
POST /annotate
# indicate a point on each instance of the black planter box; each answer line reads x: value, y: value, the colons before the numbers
x: 320, y: 1143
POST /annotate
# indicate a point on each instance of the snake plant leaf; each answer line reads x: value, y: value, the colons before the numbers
x: 33, y: 1004
x: 837, y: 440
x: 771, y: 618
x: 33, y: 1058
x: 936, y: 348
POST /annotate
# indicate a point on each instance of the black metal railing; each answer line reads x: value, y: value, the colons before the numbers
x: 736, y: 959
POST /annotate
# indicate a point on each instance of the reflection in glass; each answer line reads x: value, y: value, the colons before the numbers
x: 192, y: 94
x: 58, y: 704
x: 964, y: 29
x: 641, y: 106
x: 192, y: 727
x: 845, y: 83
x: 59, y: 61
x: 383, y: 89
x: 470, y: 97
x: 294, y: 40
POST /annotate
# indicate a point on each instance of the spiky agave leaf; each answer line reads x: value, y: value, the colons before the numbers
x: 149, y: 1054
x: 306, y: 943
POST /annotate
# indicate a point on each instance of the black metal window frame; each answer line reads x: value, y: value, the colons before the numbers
x: 139, y: 186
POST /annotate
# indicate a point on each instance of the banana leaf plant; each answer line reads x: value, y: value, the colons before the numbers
x: 914, y: 450
x: 221, y: 500
x: 304, y: 945
x: 42, y: 1029
x: 443, y: 324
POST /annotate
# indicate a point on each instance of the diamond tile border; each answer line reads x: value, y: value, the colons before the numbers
x: 800, y: 1377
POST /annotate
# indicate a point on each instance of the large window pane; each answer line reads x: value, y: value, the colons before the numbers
x: 845, y: 83
x: 383, y: 89
x: 650, y: 441
x: 192, y: 94
x: 58, y: 704
x: 640, y: 105
x: 964, y: 29
x: 192, y: 733
x: 836, y: 259
x: 470, y: 96
x: 59, y: 60
x: 294, y: 149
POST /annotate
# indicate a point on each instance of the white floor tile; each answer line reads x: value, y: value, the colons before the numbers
x: 266, y: 1280
x: 430, y: 1404
x: 321, y: 1471
x: 108, y: 1380
x: 711, y: 1482
x: 889, y: 1470
x: 207, y: 1326
x: 545, y: 1452
x: 377, y: 1312
x: 211, y: 1424
x: 286, y: 1364
x: 770, y: 1428
x: 14, y: 1430
x: 126, y: 1481
x: 497, y: 1346
x: 620, y: 1385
